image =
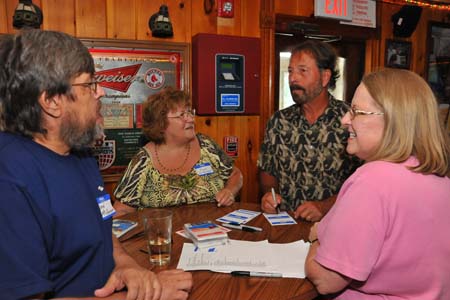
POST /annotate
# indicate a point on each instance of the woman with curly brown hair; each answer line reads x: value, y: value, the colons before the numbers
x: 177, y: 165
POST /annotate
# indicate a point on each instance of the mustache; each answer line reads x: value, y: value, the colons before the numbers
x: 295, y: 87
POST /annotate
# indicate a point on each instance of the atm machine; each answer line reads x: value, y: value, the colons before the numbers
x: 225, y: 74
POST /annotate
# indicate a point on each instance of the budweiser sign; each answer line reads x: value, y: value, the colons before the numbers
x: 118, y: 79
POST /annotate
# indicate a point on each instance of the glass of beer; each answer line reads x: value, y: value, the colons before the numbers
x: 158, y: 229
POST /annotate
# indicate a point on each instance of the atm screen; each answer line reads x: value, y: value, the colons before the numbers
x: 228, y: 66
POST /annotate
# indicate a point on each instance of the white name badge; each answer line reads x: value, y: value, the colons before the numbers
x: 106, y: 208
x: 203, y: 169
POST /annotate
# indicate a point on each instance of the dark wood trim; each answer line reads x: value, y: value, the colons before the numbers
x: 267, y: 27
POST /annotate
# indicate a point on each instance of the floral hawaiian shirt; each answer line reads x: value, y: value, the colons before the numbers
x: 308, y: 160
x: 144, y: 186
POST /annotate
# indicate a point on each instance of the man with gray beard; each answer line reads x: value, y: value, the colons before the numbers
x: 55, y: 216
x: 303, y: 155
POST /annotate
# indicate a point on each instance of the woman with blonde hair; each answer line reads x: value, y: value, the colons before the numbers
x: 177, y: 165
x: 386, y: 236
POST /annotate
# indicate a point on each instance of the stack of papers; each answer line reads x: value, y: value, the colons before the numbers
x: 287, y: 259
x: 206, y: 234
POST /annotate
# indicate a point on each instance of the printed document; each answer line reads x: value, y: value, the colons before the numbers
x: 287, y: 259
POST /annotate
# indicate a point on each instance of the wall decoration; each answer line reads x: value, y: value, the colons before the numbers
x: 129, y: 72
x: 398, y: 54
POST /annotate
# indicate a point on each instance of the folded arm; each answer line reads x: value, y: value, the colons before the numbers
x: 325, y: 280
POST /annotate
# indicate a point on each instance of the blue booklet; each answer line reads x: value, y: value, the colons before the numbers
x: 120, y: 226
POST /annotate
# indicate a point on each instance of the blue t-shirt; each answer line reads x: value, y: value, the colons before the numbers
x: 54, y: 239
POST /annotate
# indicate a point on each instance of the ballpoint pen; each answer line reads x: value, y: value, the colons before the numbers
x: 255, y: 274
x: 242, y: 227
x: 275, y: 201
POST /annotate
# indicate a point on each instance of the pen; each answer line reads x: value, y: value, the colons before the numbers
x: 242, y: 227
x: 255, y: 274
x: 275, y: 201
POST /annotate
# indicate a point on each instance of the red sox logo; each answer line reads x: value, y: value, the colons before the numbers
x: 154, y: 78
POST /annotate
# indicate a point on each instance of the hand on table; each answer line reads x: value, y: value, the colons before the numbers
x: 176, y: 284
x: 267, y: 203
x: 224, y: 197
x: 308, y: 211
x: 140, y: 282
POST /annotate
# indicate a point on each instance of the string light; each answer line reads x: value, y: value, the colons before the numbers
x: 420, y: 3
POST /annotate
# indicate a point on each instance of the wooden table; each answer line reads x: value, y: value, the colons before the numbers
x: 217, y: 286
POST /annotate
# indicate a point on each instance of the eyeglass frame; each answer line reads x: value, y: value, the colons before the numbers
x: 184, y: 115
x: 92, y: 85
x: 356, y: 112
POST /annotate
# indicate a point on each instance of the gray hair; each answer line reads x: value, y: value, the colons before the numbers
x: 32, y: 62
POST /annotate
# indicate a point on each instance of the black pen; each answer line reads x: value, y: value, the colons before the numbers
x: 255, y: 274
x: 242, y: 227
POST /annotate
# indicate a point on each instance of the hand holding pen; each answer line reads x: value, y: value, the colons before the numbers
x: 275, y: 202
x: 268, y: 205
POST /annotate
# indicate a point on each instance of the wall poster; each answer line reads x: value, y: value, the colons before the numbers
x: 129, y: 72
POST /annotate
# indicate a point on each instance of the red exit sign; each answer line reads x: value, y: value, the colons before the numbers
x: 334, y: 9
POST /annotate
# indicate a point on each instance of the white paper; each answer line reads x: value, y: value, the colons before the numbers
x: 283, y: 218
x: 240, y: 216
x: 287, y: 259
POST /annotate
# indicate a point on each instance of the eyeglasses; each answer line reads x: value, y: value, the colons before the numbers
x: 184, y: 115
x: 92, y: 85
x: 356, y: 112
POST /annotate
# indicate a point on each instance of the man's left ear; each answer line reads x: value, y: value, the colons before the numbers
x: 326, y: 76
x: 51, y: 106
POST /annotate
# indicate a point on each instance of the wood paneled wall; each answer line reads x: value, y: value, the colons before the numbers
x: 128, y: 19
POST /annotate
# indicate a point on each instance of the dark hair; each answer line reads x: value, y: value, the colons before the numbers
x: 325, y: 57
x: 156, y: 108
x: 33, y: 62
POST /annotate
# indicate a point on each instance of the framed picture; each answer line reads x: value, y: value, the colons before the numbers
x: 398, y: 54
x: 438, y: 60
x: 129, y: 72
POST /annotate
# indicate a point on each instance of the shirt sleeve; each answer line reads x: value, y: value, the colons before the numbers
x: 222, y: 161
x: 131, y: 185
x: 351, y: 235
x: 266, y: 154
x: 23, y: 252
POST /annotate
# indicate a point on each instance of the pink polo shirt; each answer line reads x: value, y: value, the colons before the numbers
x: 389, y: 231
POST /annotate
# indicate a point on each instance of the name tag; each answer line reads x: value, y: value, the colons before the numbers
x: 203, y: 169
x: 106, y: 208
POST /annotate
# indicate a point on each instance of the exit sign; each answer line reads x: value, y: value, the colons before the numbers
x: 334, y: 9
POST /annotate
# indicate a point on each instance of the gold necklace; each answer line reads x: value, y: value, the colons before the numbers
x: 188, y: 148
